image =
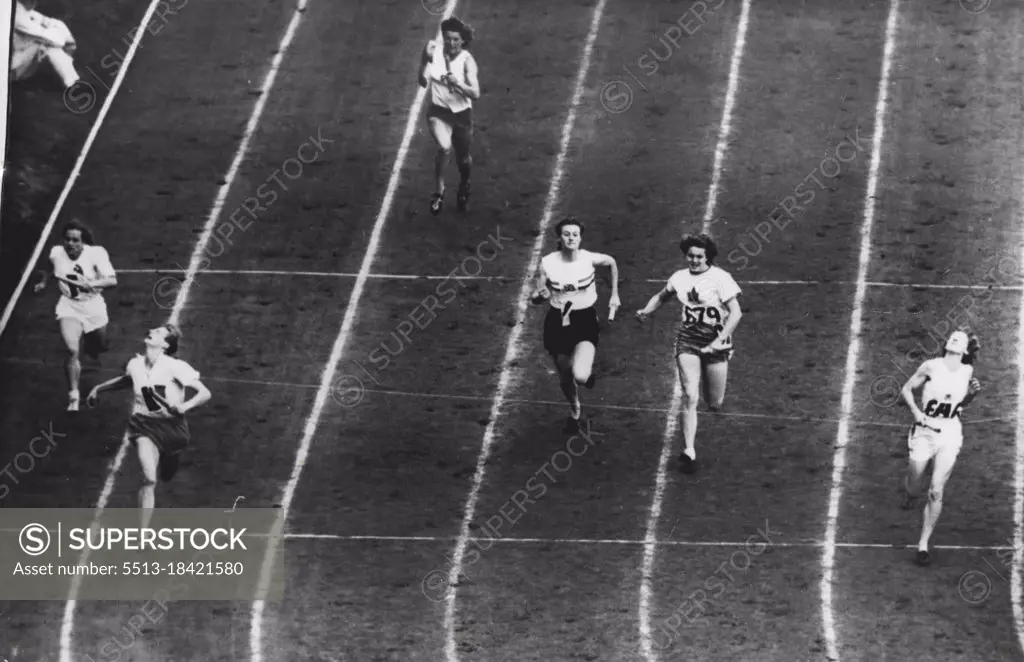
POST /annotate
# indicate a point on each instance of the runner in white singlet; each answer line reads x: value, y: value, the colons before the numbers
x: 157, y: 427
x: 82, y: 271
x: 947, y: 386
x: 710, y: 313
x: 568, y: 279
x: 449, y: 72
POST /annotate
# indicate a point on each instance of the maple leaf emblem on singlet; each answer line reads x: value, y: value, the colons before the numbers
x: 693, y: 296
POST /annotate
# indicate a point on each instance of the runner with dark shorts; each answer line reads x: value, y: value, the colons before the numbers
x: 568, y: 279
x: 157, y: 427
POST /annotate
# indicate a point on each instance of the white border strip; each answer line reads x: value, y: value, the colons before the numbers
x: 843, y: 434
x: 68, y: 624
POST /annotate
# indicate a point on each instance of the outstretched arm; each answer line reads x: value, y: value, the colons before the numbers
x: 115, y: 384
x: 661, y: 297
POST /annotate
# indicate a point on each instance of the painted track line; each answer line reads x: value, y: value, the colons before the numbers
x: 77, y: 169
x: 853, y: 354
x: 67, y: 627
x: 348, y: 322
x: 672, y: 422
x: 697, y: 544
x: 803, y: 418
x: 508, y: 279
x: 612, y: 541
x: 513, y: 348
x: 1018, y: 497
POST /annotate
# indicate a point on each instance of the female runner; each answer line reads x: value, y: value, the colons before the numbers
x: 567, y: 277
x: 82, y: 270
x: 450, y: 74
x: 937, y: 434
x: 711, y: 312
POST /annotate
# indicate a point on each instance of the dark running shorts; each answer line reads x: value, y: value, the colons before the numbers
x: 690, y: 341
x: 583, y: 327
x: 461, y: 124
x: 170, y: 435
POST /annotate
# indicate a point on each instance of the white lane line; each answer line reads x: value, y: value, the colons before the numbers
x: 67, y: 627
x: 509, y: 279
x: 348, y: 322
x: 612, y: 541
x: 77, y: 169
x: 843, y: 434
x: 514, y: 347
x: 672, y: 422
x: 550, y: 403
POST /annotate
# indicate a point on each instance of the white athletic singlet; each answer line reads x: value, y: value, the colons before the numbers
x: 93, y: 263
x: 168, y: 378
x: 704, y: 297
x: 440, y: 95
x: 942, y: 394
x: 571, y: 281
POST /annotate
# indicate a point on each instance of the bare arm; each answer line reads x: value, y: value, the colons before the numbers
x: 602, y: 260
x: 661, y: 297
x: 972, y: 391
x: 201, y: 397
x: 915, y: 382
x: 115, y: 384
x: 44, y: 278
x: 540, y: 287
x: 104, y: 282
x: 735, y: 313
x: 425, y: 60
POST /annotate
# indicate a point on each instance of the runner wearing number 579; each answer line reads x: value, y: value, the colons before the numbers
x: 82, y: 270
x: 157, y: 426
x: 703, y: 347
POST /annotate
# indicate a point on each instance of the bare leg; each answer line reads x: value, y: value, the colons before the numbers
x: 71, y: 332
x: 716, y: 376
x: 944, y: 463
x: 568, y: 383
x: 689, y: 366
x: 442, y: 134
x: 583, y: 362
x: 149, y: 459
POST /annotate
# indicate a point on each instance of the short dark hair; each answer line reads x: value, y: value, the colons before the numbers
x: 75, y: 224
x: 702, y: 240
x: 569, y: 220
x: 455, y: 25
x: 172, y: 338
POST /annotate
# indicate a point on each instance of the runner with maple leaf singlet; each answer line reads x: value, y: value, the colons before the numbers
x: 703, y: 346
